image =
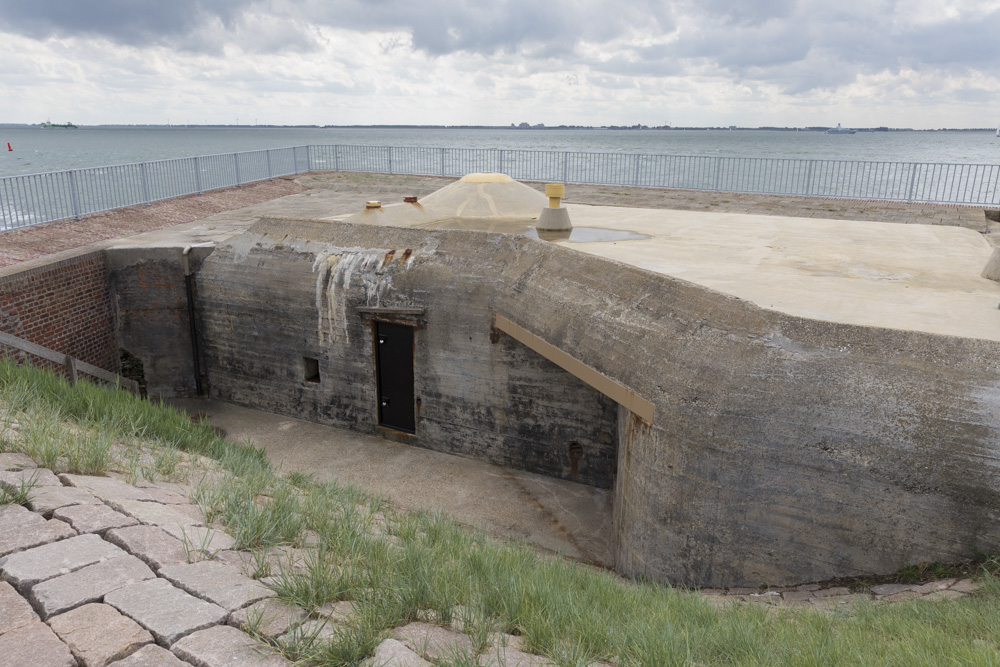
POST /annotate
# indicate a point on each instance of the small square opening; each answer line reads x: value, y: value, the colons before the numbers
x: 310, y: 369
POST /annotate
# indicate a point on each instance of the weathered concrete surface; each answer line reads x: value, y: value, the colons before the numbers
x: 557, y: 515
x: 151, y: 309
x: 34, y: 645
x: 500, y: 403
x: 97, y: 634
x: 780, y: 444
x: 225, y: 646
x: 166, y: 611
x: 88, y: 584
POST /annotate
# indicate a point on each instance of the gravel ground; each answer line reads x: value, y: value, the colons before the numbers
x: 28, y: 243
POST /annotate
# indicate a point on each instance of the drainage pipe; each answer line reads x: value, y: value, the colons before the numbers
x: 189, y: 293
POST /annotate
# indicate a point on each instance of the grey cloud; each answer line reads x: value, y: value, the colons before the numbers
x: 133, y: 22
x: 798, y: 44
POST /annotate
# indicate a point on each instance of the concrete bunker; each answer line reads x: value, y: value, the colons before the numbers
x: 777, y: 442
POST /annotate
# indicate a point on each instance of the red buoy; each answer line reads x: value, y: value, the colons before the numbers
x: 8, y: 146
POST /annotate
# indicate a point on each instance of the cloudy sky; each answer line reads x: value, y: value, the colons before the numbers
x: 902, y: 63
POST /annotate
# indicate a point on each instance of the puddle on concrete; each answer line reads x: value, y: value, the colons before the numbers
x: 587, y: 235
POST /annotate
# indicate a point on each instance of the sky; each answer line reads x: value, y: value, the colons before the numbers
x: 863, y: 63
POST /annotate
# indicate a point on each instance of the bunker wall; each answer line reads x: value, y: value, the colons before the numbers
x: 782, y: 449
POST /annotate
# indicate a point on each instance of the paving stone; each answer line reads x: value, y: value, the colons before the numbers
x: 268, y: 618
x: 150, y: 543
x: 21, y: 529
x: 339, y: 612
x: 97, y: 634
x: 151, y: 655
x: 166, y: 611
x: 13, y: 517
x: 153, y: 513
x: 225, y: 646
x: 807, y: 587
x: 11, y: 461
x: 88, y: 584
x: 394, y: 653
x: 200, y: 538
x: 34, y: 645
x: 966, y: 586
x: 434, y: 642
x: 314, y: 633
x: 15, y: 611
x: 105, y: 488
x: 934, y: 586
x: 901, y: 596
x: 47, y: 499
x: 93, y: 518
x: 890, y: 589
x: 37, y: 477
x: 222, y: 584
x: 796, y: 596
x: 504, y: 640
x: 26, y: 568
x: 831, y: 592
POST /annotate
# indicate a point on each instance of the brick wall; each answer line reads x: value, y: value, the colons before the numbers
x: 64, y: 306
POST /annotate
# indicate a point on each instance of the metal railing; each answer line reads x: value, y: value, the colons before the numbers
x: 37, y: 198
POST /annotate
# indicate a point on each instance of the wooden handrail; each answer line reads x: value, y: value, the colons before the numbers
x: 73, y: 366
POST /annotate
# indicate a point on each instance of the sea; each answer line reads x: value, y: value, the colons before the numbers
x: 37, y: 150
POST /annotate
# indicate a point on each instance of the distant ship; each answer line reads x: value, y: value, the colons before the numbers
x: 840, y: 130
x: 56, y: 126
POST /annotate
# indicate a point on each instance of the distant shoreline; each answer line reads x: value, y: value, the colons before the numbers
x: 519, y: 128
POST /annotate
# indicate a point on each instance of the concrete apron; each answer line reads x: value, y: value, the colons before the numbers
x: 556, y: 515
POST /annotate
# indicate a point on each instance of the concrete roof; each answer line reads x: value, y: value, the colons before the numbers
x: 910, y: 277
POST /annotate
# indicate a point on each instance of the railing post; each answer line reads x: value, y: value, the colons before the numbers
x: 236, y: 164
x: 715, y: 185
x: 390, y: 158
x: 565, y: 166
x: 309, y: 161
x: 74, y: 193
x: 913, y: 178
x: 295, y: 159
x: 809, y: 178
x: 145, y: 183
x: 71, y: 369
x: 270, y: 174
x: 336, y: 157
x: 442, y: 161
x: 500, y: 161
x: 197, y: 175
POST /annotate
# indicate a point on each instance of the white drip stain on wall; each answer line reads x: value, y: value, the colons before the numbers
x: 335, y: 270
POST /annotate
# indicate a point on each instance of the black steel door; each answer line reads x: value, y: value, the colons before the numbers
x: 394, y: 371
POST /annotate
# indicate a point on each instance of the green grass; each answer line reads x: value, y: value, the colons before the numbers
x: 397, y: 567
